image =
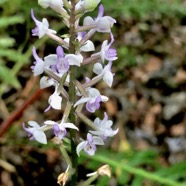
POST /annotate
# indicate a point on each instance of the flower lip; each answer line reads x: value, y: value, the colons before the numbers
x: 59, y: 131
x: 93, y: 104
x: 89, y: 145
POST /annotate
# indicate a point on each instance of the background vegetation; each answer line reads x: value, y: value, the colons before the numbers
x: 147, y: 101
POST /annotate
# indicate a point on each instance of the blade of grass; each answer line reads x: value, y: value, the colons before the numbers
x: 135, y: 171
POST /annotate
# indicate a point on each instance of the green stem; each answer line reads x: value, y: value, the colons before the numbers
x: 72, y: 117
x: 67, y: 112
x: 89, y: 180
x: 65, y: 155
x: 136, y: 171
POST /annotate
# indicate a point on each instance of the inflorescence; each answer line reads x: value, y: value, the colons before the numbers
x: 57, y: 67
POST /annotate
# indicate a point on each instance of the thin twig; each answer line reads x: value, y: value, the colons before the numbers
x: 15, y: 115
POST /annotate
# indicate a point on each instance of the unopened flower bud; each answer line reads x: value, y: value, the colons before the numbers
x: 90, y: 5
x: 56, y: 5
x: 50, y: 3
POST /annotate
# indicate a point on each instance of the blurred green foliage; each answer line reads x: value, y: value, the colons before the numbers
x: 144, y: 8
x: 129, y: 167
x: 15, y: 45
x: 11, y: 55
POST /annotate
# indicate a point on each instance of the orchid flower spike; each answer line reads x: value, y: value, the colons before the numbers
x: 104, y: 128
x: 35, y: 132
x: 41, y: 28
x: 60, y: 129
x: 89, y: 145
x: 93, y: 100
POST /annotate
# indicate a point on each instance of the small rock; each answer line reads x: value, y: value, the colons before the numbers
x: 174, y: 104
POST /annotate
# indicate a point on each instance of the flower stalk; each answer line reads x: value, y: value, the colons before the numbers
x: 89, y: 180
x: 72, y: 117
x: 65, y: 155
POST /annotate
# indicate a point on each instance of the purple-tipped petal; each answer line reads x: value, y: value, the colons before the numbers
x: 47, y: 109
x: 39, y: 64
x: 105, y: 117
x: 34, y: 53
x: 29, y: 133
x: 100, y: 11
x: 32, y: 15
x: 89, y: 138
x: 35, y: 31
x: 90, y: 149
x: 112, y: 38
x: 111, y: 54
x: 60, y: 52
x: 35, y: 132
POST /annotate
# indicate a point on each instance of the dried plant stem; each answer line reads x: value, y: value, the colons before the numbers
x: 135, y: 171
x: 86, y: 120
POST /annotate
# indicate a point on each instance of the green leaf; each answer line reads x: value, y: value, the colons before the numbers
x: 6, y: 42
x: 102, y: 181
x: 138, y: 180
x: 135, y: 170
x: 6, y: 21
x: 12, y: 55
x: 174, y: 172
x: 7, y: 77
x: 2, y: 1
